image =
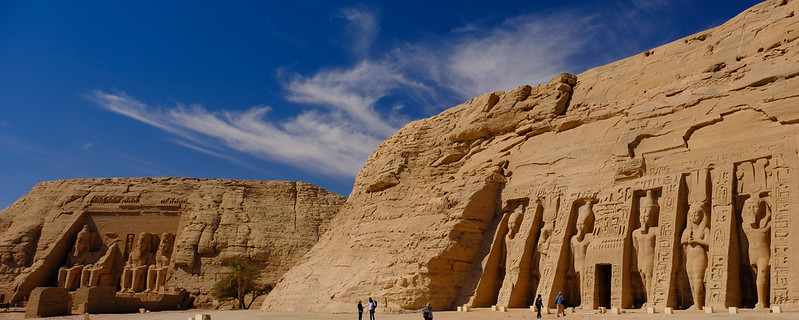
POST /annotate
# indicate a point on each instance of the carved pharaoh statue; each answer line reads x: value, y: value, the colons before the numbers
x: 69, y: 276
x: 513, y: 249
x: 645, y: 239
x: 140, y: 259
x: 550, y: 211
x: 695, y: 243
x: 156, y: 274
x: 756, y: 224
x: 93, y: 274
x: 580, y: 241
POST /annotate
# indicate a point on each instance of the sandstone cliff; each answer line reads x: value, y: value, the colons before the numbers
x: 610, y: 186
x: 187, y: 228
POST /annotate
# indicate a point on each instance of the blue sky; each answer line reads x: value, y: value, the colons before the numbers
x: 280, y: 90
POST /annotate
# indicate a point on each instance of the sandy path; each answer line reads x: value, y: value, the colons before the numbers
x: 480, y: 314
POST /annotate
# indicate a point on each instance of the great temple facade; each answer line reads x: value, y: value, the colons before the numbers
x: 149, y: 237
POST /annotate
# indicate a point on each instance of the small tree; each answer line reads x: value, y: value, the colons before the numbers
x: 240, y: 280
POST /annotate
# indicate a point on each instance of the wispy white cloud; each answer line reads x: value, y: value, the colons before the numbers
x: 526, y: 49
x: 354, y: 93
x: 88, y: 147
x: 363, y: 28
x: 315, y: 143
x: 350, y: 109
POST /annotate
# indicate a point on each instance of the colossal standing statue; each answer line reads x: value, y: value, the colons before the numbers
x: 756, y: 224
x: 645, y: 239
x: 513, y: 248
x: 580, y: 242
x: 695, y: 243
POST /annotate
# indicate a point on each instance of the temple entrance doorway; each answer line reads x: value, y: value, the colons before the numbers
x: 603, y: 282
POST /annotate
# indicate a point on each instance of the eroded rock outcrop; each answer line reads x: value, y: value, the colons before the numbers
x: 665, y: 179
x: 152, y: 235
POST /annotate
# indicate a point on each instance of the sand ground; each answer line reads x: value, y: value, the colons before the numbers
x: 479, y: 314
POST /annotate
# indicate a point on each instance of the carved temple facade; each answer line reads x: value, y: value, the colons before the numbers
x: 696, y: 228
x: 147, y: 237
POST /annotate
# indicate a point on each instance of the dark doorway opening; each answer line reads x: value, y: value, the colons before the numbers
x: 603, y: 281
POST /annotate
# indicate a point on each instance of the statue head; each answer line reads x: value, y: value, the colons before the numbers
x: 649, y: 208
x: 145, y: 242
x: 585, y: 217
x: 83, y: 242
x: 515, y: 220
x: 696, y: 212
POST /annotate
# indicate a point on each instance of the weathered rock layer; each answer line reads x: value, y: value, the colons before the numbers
x: 156, y: 234
x: 665, y: 179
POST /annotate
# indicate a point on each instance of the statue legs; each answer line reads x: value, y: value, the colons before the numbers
x: 697, y: 290
x: 139, y: 276
x: 125, y: 283
x: 762, y: 273
x: 151, y: 279
x: 62, y: 277
x: 161, y: 279
x: 72, y: 280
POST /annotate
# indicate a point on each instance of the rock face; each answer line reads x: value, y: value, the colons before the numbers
x: 665, y: 179
x: 156, y: 234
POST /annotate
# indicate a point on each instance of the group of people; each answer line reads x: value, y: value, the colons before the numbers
x: 559, y: 301
x: 371, y: 305
x: 427, y: 311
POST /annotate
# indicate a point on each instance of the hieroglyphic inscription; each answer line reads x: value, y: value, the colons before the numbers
x: 110, y: 199
x: 616, y: 296
x: 588, y: 285
x: 666, y: 241
x: 721, y: 227
x: 609, y: 217
x: 779, y: 242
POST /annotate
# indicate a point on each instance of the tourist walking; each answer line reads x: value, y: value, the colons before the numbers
x: 360, y: 310
x: 372, y: 305
x: 559, y: 302
x: 538, y: 305
x: 427, y: 312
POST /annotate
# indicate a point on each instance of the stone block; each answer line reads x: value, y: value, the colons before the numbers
x: 460, y: 309
x: 494, y: 308
x: 776, y: 309
x: 650, y: 310
x: 94, y: 300
x: 466, y: 308
x: 201, y: 316
x: 708, y: 309
x: 48, y: 302
x: 602, y: 310
x: 615, y: 310
x: 668, y: 310
x: 733, y: 309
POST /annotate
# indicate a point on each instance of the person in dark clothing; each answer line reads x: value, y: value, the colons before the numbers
x: 427, y: 312
x: 538, y: 305
x: 360, y: 310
